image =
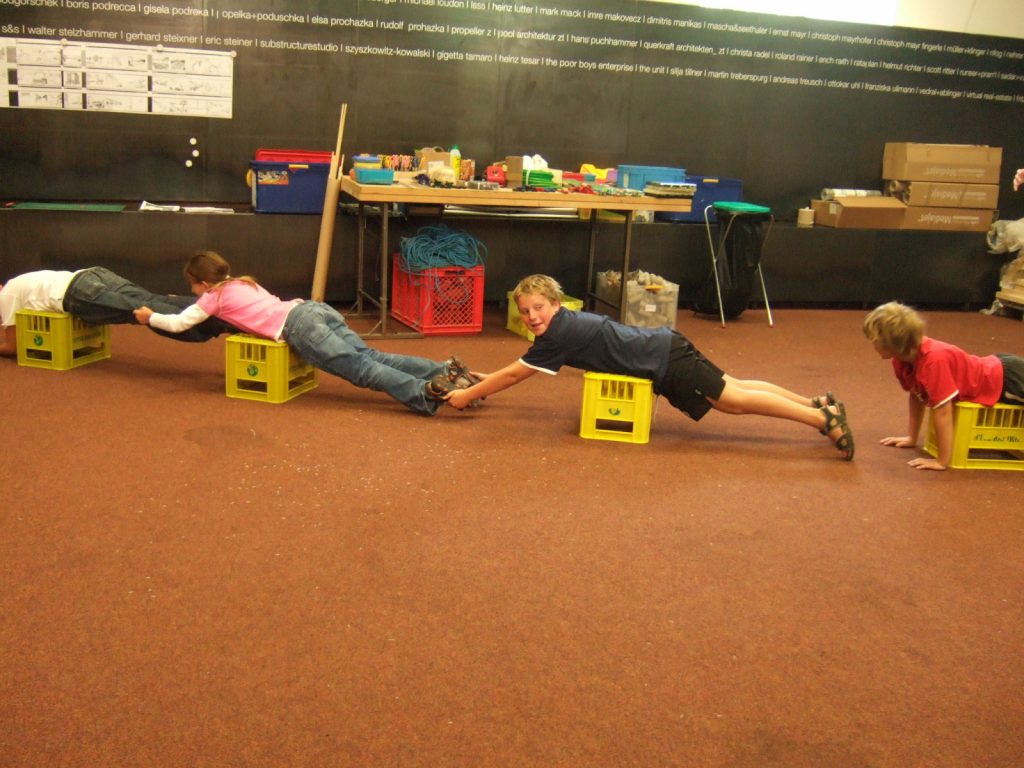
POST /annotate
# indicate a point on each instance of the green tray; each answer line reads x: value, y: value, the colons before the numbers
x: 114, y: 207
x: 729, y: 206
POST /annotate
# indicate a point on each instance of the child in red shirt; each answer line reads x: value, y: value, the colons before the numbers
x: 936, y: 375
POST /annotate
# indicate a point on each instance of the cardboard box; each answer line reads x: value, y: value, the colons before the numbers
x: 514, y: 171
x: 427, y: 155
x: 951, y: 219
x: 876, y: 212
x: 940, y: 195
x: 968, y: 163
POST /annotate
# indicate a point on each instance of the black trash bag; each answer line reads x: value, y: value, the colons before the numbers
x: 737, y: 267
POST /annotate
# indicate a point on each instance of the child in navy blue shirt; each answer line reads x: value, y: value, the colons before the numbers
x: 678, y: 371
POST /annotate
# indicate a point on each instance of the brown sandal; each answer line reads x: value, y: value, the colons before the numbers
x: 844, y: 443
x: 829, y: 399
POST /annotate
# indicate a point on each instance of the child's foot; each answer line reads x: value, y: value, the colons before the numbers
x: 455, y: 376
x: 436, y: 389
x: 837, y: 430
x: 828, y: 399
x: 458, y: 372
x: 458, y: 376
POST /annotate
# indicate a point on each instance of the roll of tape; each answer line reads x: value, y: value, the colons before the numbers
x: 831, y: 194
x: 805, y: 217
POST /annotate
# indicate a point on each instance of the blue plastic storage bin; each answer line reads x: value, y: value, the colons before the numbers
x: 289, y: 187
x: 637, y: 176
x: 375, y: 175
x: 710, y: 189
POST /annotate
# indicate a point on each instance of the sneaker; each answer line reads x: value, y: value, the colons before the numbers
x: 454, y: 376
x: 442, y: 384
x: 459, y: 374
x: 436, y: 388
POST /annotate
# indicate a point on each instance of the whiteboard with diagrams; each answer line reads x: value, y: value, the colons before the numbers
x: 58, y: 74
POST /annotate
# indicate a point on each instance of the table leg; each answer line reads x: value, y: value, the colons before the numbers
x: 760, y: 274
x: 383, y: 269
x: 360, y: 250
x: 625, y: 266
x: 588, y: 293
x: 380, y: 328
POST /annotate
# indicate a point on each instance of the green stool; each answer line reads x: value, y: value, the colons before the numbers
x: 728, y: 213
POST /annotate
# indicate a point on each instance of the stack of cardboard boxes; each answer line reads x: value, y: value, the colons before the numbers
x: 951, y: 187
x: 945, y: 186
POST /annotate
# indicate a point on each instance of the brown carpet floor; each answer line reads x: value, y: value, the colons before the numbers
x: 193, y: 580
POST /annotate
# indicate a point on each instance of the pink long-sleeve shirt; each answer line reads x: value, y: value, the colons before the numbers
x: 247, y: 306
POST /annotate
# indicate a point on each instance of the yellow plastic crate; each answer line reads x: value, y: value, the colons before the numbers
x: 515, y: 321
x: 59, y: 341
x: 265, y: 370
x: 617, y: 408
x: 984, y: 438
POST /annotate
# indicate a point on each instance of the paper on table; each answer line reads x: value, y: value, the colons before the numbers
x: 146, y: 206
x: 205, y: 209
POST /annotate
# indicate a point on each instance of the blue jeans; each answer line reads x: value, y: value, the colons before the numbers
x: 100, y: 297
x: 321, y: 337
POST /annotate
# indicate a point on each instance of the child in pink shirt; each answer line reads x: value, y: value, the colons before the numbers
x: 316, y: 331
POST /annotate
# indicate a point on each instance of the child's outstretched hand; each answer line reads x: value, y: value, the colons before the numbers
x: 898, y: 442
x: 458, y: 399
x: 926, y: 463
x: 142, y: 315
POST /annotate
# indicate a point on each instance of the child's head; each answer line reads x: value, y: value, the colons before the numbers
x: 538, y: 297
x: 206, y: 268
x: 538, y: 284
x: 895, y: 329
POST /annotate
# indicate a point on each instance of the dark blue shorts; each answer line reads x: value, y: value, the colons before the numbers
x: 690, y: 379
x: 1013, y: 379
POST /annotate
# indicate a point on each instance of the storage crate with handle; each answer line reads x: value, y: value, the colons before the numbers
x: 289, y: 180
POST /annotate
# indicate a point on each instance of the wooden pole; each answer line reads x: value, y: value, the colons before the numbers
x: 323, y: 250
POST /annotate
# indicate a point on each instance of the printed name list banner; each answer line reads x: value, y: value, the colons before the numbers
x: 170, y: 100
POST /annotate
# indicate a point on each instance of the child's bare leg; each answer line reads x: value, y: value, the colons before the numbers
x: 737, y: 400
x: 766, y: 386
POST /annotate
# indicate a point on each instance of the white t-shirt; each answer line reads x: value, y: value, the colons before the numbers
x: 42, y: 291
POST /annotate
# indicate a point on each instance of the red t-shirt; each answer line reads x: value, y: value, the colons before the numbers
x: 943, y: 372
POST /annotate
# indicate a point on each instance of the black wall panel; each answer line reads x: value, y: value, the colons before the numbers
x: 819, y: 266
x: 709, y: 104
x: 788, y: 105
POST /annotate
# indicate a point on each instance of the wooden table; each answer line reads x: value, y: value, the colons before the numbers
x: 410, y: 192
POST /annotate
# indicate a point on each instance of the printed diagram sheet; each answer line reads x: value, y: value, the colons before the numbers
x: 53, y: 74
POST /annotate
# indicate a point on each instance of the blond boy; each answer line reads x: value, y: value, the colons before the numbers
x: 679, y: 372
x: 935, y: 375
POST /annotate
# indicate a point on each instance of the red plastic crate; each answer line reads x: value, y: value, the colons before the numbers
x: 438, y: 301
x: 292, y: 156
